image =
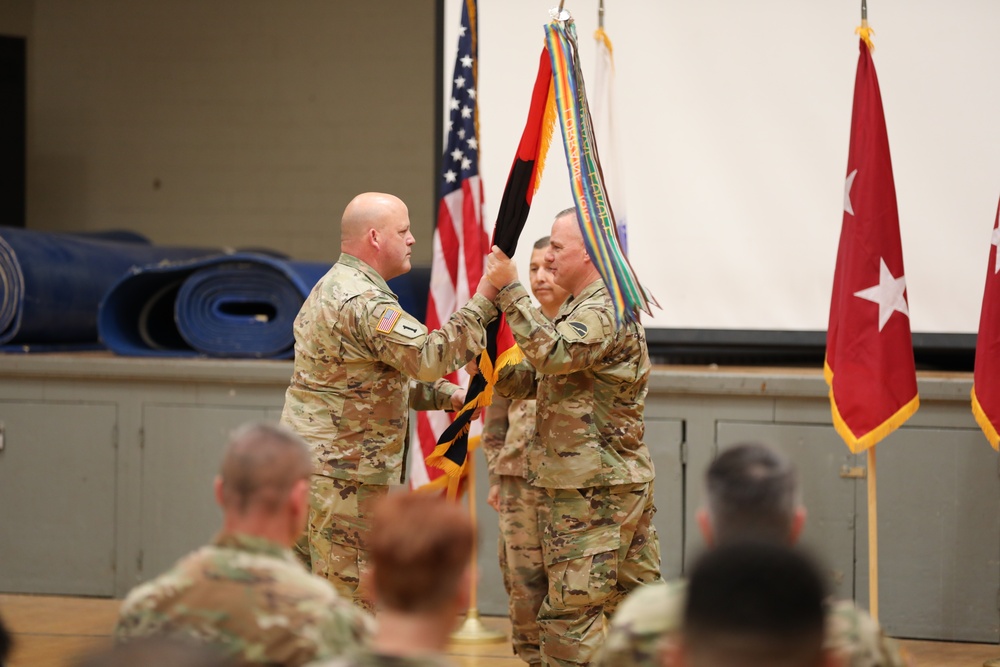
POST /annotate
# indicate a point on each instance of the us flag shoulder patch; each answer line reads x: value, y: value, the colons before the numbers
x: 388, y: 320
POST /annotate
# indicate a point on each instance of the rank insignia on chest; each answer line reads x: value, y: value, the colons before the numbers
x: 388, y: 321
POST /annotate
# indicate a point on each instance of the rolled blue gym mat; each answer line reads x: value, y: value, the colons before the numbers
x: 53, y: 283
x: 239, y: 306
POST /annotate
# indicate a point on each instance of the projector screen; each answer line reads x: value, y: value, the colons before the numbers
x: 733, y: 121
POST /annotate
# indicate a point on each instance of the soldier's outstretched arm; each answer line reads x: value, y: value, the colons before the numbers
x: 399, y: 340
x: 432, y: 395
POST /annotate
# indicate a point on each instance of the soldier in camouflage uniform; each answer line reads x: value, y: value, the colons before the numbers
x: 246, y: 593
x: 598, y: 541
x: 420, y: 546
x: 509, y: 427
x: 356, y: 351
x: 752, y: 494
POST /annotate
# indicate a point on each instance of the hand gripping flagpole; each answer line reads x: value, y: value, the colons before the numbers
x: 472, y: 630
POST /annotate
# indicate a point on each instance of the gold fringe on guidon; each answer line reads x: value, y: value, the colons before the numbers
x: 548, y: 128
x: 989, y: 430
x: 855, y: 444
x: 453, y: 473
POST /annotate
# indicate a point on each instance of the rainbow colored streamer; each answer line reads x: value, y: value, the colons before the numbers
x: 596, y: 219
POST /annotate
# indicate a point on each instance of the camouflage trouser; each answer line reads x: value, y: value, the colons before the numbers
x: 598, y: 544
x: 521, y: 562
x: 339, y: 518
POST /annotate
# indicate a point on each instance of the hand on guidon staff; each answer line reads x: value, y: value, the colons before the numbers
x: 500, y: 269
x: 458, y: 400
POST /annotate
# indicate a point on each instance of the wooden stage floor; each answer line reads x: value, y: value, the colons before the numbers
x: 53, y: 631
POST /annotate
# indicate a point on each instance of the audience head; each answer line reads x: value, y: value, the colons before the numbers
x: 420, y: 545
x: 264, y: 478
x: 375, y: 228
x: 751, y: 493
x: 543, y: 286
x: 157, y: 652
x: 571, y: 266
x: 752, y: 604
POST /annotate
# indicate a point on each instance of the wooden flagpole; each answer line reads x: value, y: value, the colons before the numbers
x: 872, y: 535
x: 473, y: 631
x: 872, y: 479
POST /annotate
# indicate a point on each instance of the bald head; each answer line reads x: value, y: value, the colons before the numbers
x: 375, y: 228
x: 261, y: 465
x: 369, y: 210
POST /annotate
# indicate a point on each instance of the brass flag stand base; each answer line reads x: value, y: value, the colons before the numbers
x: 993, y: 662
x: 474, y: 632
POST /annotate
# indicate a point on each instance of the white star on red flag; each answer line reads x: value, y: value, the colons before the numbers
x: 888, y: 294
x: 847, y: 192
x: 996, y: 242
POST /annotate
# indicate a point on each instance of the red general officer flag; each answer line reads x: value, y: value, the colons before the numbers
x: 986, y: 378
x: 869, y: 349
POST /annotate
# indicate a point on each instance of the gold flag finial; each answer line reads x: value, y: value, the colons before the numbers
x: 863, y: 30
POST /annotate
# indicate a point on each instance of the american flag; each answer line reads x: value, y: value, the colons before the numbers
x: 461, y: 239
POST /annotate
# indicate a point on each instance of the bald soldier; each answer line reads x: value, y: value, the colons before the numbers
x: 588, y: 455
x: 356, y: 352
x: 246, y: 593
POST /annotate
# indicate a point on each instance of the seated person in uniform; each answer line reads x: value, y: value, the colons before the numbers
x: 752, y: 604
x: 246, y: 593
x: 420, y: 545
x: 751, y: 493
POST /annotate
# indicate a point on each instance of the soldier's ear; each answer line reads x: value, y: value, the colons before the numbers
x: 217, y: 485
x: 798, y: 523
x: 705, y: 524
x: 299, y: 497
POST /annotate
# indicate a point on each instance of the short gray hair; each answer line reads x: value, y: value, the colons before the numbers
x: 752, y: 493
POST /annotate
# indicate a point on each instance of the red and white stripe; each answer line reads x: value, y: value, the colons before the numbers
x: 461, y: 243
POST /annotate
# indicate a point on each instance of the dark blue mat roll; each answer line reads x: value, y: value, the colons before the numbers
x: 52, y: 283
x: 241, y: 305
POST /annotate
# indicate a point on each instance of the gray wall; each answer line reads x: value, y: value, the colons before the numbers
x: 106, y: 468
x: 244, y: 123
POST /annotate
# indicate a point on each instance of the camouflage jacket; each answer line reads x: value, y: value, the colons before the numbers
x: 355, y: 352
x: 509, y: 427
x: 654, y: 611
x: 589, y: 394
x: 250, y: 597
